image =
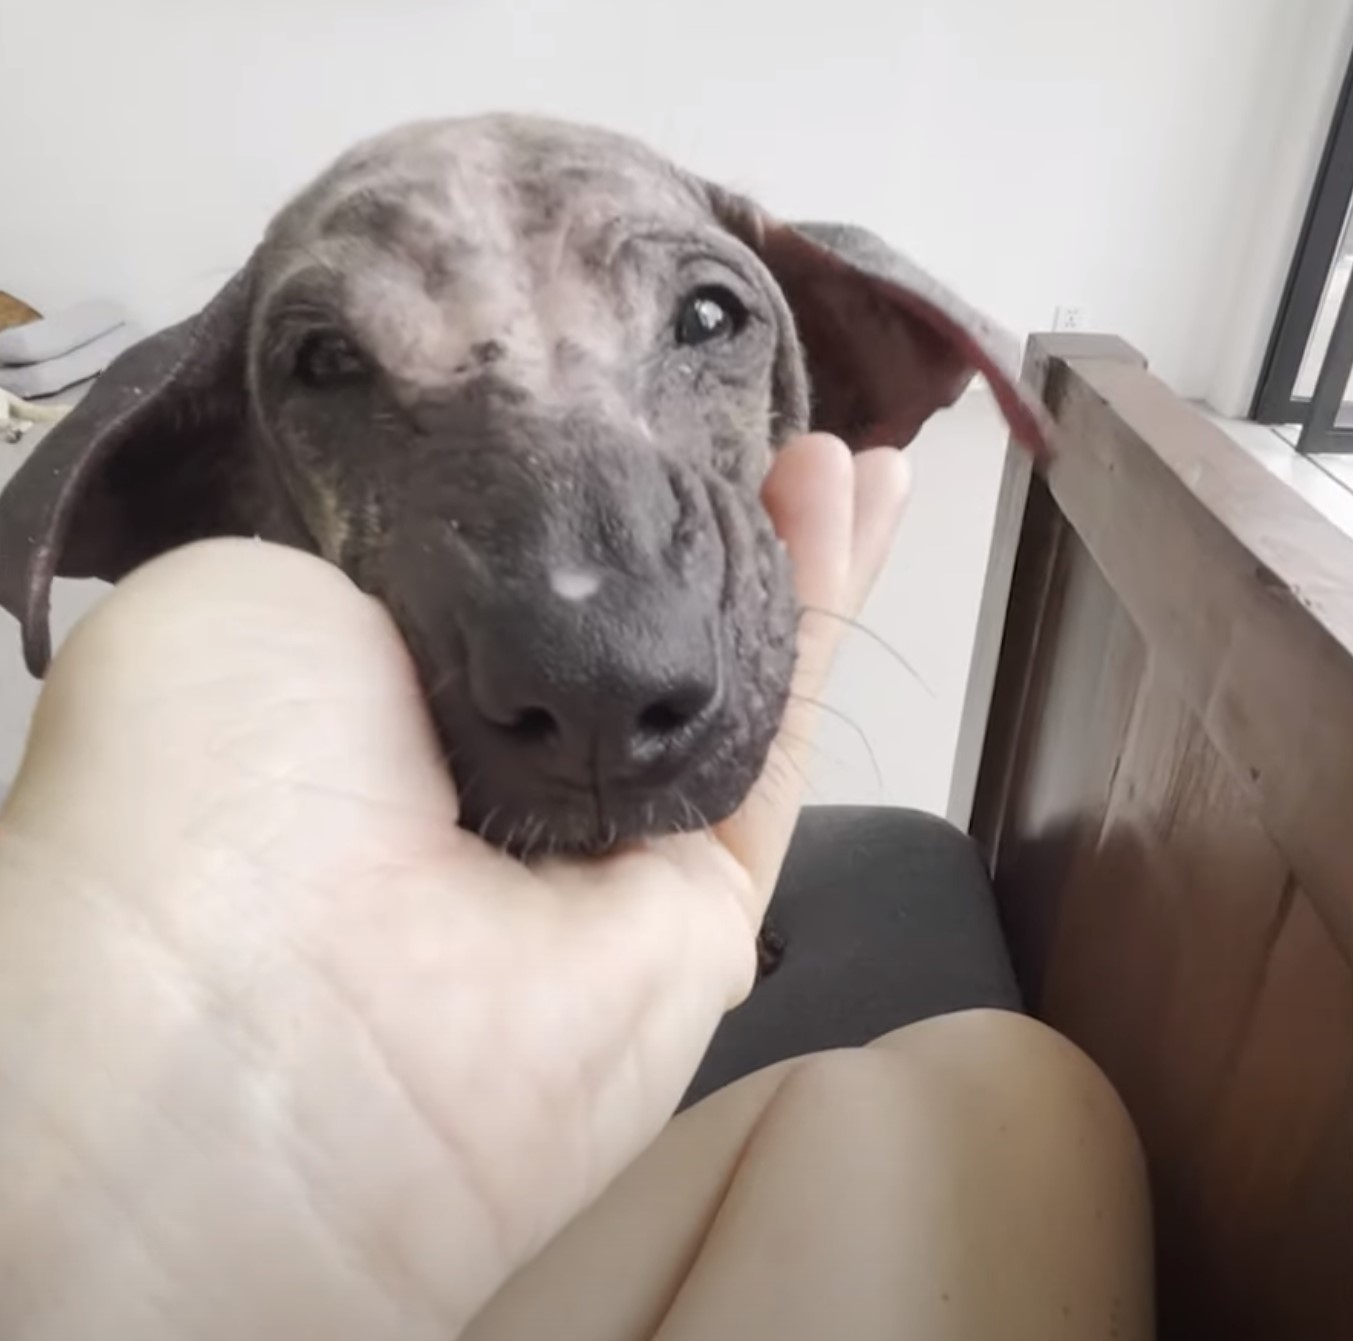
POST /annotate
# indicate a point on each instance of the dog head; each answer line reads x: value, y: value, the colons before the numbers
x: 522, y: 381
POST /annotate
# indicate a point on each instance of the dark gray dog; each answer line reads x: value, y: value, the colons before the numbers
x: 522, y: 381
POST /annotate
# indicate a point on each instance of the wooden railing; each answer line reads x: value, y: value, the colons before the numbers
x: 1165, y: 801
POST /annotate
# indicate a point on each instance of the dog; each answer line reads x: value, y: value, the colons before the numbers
x: 522, y: 381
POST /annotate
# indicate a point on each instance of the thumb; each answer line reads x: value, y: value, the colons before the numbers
x: 837, y: 515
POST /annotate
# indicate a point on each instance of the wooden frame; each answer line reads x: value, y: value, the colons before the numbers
x: 1163, y: 690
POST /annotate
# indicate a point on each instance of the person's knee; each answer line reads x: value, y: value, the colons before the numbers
x: 1002, y: 1042
x: 986, y: 1044
x: 1019, y: 1066
x: 988, y: 1068
x: 984, y: 1151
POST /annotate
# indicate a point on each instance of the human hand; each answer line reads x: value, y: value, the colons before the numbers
x: 284, y: 1051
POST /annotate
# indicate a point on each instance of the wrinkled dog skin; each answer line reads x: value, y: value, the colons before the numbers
x: 522, y: 381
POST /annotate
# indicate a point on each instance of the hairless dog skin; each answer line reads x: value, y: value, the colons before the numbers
x: 522, y: 381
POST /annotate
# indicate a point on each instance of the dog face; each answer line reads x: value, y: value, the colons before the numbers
x: 522, y: 381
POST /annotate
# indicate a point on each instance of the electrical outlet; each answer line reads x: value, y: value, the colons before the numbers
x: 1067, y: 318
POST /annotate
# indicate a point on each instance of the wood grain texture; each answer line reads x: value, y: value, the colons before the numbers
x: 1243, y: 590
x: 1165, y: 800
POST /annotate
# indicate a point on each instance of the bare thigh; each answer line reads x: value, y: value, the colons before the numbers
x: 970, y: 1176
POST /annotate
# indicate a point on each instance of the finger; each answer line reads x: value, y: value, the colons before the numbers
x: 881, y: 484
x: 837, y: 515
x: 882, y: 487
x: 810, y: 496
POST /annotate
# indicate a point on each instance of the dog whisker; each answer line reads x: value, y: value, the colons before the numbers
x: 700, y: 816
x: 779, y: 777
x: 850, y: 722
x: 874, y: 636
x: 807, y: 743
x: 486, y: 828
x: 464, y: 793
x: 688, y: 816
x: 781, y: 754
x: 532, y: 828
x: 441, y: 684
x: 319, y: 261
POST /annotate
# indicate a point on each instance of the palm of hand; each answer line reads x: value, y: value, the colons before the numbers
x: 300, y: 998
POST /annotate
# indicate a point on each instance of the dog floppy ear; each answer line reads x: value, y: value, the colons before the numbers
x: 885, y: 344
x: 153, y: 457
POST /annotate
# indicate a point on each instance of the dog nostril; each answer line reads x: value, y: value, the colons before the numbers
x: 533, y: 726
x: 676, y: 710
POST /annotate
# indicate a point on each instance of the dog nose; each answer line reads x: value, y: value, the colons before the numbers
x: 648, y: 724
x: 622, y: 705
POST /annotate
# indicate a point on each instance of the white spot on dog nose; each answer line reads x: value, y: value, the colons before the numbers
x: 574, y: 584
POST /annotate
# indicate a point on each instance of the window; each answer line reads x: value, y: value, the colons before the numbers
x: 1308, y: 372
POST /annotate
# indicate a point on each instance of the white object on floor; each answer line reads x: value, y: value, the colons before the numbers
x: 18, y: 416
x: 53, y: 336
x: 45, y: 379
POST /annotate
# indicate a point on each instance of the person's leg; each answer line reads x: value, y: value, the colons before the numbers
x: 970, y: 1176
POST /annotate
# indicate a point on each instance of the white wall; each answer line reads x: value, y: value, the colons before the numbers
x: 1035, y: 151
x: 1031, y: 152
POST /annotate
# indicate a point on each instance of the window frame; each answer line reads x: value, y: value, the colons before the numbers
x: 1325, y: 416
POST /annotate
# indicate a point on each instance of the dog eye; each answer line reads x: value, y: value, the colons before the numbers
x: 710, y: 313
x: 327, y: 358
